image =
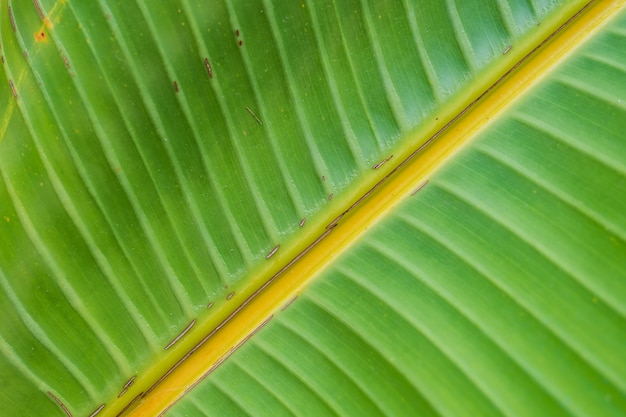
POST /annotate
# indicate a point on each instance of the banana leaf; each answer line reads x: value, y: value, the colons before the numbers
x: 441, y: 185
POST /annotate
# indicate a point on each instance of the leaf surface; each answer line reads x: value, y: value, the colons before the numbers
x: 159, y: 159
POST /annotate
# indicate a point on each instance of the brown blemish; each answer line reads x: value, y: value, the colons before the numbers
x: 97, y: 410
x: 12, y: 19
x: 302, y: 222
x: 60, y: 403
x: 288, y: 303
x: 381, y: 163
x: 330, y: 196
x: 208, y: 67
x: 272, y: 252
x: 39, y: 11
x: 67, y: 62
x: 254, y: 115
x: 130, y: 404
x: 180, y: 335
x: 229, y: 296
x: 130, y: 382
x: 209, y: 305
x: 176, y: 86
x: 506, y: 51
x: 259, y: 327
x: 127, y: 385
x: 40, y: 36
x: 13, y: 88
x: 419, y: 188
x: 335, y: 221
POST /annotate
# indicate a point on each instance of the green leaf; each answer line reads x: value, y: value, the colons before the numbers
x: 160, y: 158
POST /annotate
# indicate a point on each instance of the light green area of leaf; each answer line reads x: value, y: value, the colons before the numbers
x: 498, y: 289
x: 136, y: 188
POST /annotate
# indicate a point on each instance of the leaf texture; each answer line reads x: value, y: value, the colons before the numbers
x: 152, y: 155
x: 497, y: 289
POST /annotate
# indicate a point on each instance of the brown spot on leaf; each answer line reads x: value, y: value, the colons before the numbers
x: 40, y: 36
x: 419, y: 187
x: 39, y: 11
x: 208, y: 67
x: 180, y: 335
x: 97, y: 410
x: 272, y: 252
x: 60, y: 403
x: 12, y: 19
x: 13, y: 90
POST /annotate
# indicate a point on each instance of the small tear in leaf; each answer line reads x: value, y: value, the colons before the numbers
x: 381, y: 163
x: 97, y: 410
x: 180, y: 335
x: 60, y: 403
x: 272, y: 252
x: 419, y: 188
x: 130, y: 382
x: 254, y: 115
x: 288, y: 303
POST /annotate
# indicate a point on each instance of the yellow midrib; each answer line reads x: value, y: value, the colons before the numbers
x: 410, y: 175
